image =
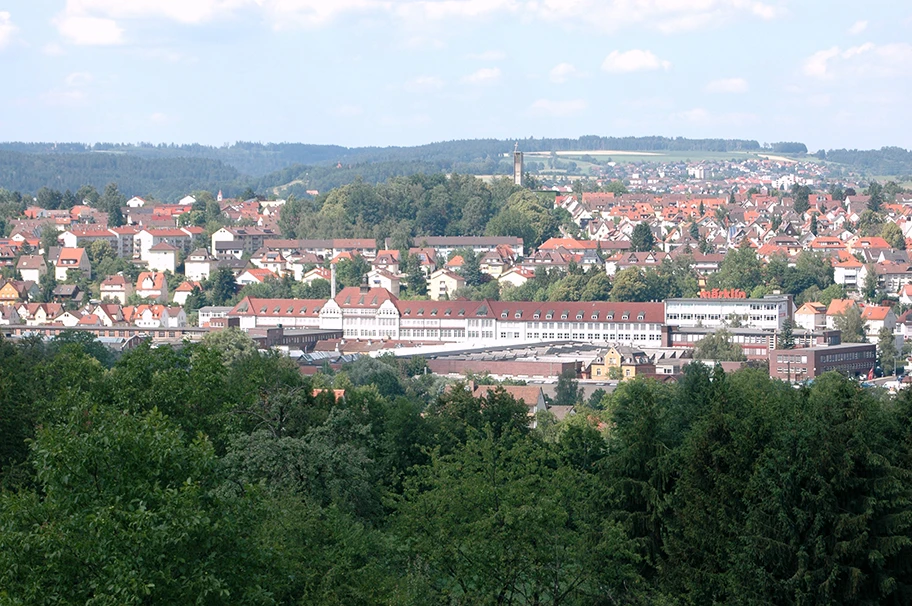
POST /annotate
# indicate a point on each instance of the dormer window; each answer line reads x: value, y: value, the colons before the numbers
x: 626, y: 316
x: 641, y: 316
x: 433, y: 312
x: 536, y: 316
x: 517, y: 314
x: 610, y: 316
x: 564, y: 315
x: 549, y: 315
x: 594, y: 316
x: 579, y: 316
x: 503, y: 314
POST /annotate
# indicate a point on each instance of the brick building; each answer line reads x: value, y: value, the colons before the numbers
x: 795, y: 365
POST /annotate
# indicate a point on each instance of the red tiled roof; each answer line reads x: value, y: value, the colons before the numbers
x: 250, y: 306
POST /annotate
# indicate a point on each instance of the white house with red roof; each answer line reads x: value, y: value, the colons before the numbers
x: 516, y: 276
x: 849, y: 273
x: 255, y: 275
x: 162, y: 257
x: 66, y: 259
x: 199, y: 265
x: 443, y: 284
x: 116, y: 288
x: 31, y: 267
x: 317, y: 273
x: 836, y: 308
x: 152, y: 285
x: 905, y: 294
x: 83, y: 235
x: 182, y: 292
x: 145, y: 239
x: 378, y: 278
x: 876, y: 318
x: 811, y: 316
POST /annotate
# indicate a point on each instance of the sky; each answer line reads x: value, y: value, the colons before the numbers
x: 829, y: 73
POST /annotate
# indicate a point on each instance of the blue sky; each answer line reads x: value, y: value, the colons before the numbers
x: 404, y: 72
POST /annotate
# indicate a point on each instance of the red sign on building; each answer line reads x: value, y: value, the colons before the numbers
x: 723, y: 293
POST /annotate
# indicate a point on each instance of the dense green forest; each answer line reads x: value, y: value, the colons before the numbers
x: 164, y: 178
x: 884, y: 161
x: 424, y: 205
x: 216, y: 474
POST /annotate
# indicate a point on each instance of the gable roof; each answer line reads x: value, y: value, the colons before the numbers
x: 839, y: 306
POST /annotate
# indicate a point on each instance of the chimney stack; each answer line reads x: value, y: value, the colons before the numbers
x: 332, y: 280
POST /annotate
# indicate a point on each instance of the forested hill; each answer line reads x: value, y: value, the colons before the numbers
x: 259, y: 159
x: 163, y: 178
x: 171, y: 171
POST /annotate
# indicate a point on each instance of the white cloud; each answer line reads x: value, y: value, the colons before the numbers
x: 701, y: 116
x: 347, y: 111
x: 78, y: 79
x: 863, y: 61
x: 182, y: 11
x: 559, y: 109
x: 72, y: 93
x: 64, y: 98
x: 491, y: 55
x: 485, y: 75
x: 89, y: 31
x: 608, y: 15
x: 633, y: 61
x: 424, y: 84
x: 7, y: 29
x: 52, y: 49
x: 858, y: 27
x: 562, y: 72
x: 727, y: 85
x: 667, y: 16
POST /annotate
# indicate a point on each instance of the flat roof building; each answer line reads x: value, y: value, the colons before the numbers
x: 796, y: 365
x: 768, y: 313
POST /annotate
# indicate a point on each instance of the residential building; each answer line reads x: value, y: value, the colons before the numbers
x: 15, y: 292
x: 162, y: 257
x: 876, y: 318
x: 116, y: 288
x: 244, y: 239
x: 145, y: 239
x: 443, y: 284
x: 446, y: 245
x: 83, y: 235
x: 811, y: 316
x: 152, y: 285
x: 67, y: 259
x: 183, y: 292
x: 199, y: 265
x: 838, y: 307
x: 378, y: 278
x: 31, y: 267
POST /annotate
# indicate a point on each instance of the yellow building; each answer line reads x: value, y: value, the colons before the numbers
x: 628, y: 361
